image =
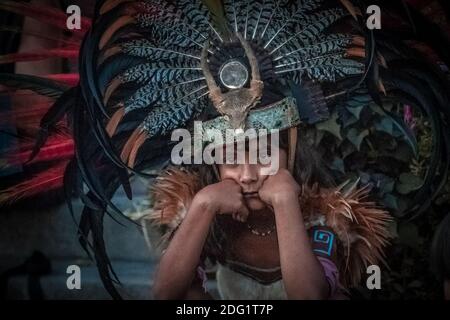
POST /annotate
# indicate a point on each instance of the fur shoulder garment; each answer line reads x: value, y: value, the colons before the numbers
x: 360, y: 226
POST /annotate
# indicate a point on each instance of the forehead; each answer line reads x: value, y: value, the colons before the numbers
x: 259, y: 141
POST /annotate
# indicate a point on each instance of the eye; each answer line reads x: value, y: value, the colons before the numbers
x: 231, y: 166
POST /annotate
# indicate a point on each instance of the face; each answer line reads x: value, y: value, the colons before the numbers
x: 250, y: 177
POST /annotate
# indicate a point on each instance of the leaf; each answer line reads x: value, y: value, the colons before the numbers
x: 383, y: 183
x: 402, y: 153
x: 356, y: 137
x: 385, y: 125
x: 346, y: 117
x: 364, y: 177
x: 318, y: 137
x: 356, y: 111
x: 331, y: 125
x: 377, y: 109
x: 338, y: 165
x: 390, y: 201
x: 408, y: 183
x: 347, y: 148
x: 393, y: 227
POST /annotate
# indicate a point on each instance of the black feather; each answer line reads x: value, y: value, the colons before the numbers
x: 45, y: 87
x: 52, y: 117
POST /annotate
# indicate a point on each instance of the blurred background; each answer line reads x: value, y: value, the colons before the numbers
x: 38, y: 237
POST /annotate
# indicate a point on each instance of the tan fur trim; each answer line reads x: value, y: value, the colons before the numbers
x: 172, y: 194
x: 360, y: 225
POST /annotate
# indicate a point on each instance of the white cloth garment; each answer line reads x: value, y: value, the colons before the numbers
x: 235, y: 286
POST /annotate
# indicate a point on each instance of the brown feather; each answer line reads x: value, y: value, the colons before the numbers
x: 114, y: 121
x: 116, y: 25
x: 135, y: 149
x: 382, y: 60
x: 351, y: 8
x: 111, y: 4
x: 359, y: 41
x: 356, y: 52
x: 48, y: 180
x: 108, y: 53
x: 110, y: 90
x: 381, y: 87
x: 126, y: 150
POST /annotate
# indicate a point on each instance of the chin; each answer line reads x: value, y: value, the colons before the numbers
x: 255, y: 204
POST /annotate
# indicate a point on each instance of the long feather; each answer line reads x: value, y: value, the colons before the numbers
x: 161, y: 120
x: 331, y: 43
x: 297, y: 17
x: 54, y: 115
x: 48, y: 180
x: 39, y: 85
x: 70, y: 79
x: 37, y: 56
x: 146, y: 73
x: 144, y: 48
x: 317, y: 23
x: 56, y: 148
x: 269, y: 21
x: 57, y: 40
x: 147, y: 95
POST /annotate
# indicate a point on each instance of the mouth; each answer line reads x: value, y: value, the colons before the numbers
x: 250, y: 194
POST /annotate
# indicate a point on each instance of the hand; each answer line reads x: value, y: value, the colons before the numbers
x: 278, y: 188
x: 224, y: 197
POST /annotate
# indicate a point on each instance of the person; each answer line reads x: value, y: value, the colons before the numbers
x: 248, y: 222
x: 149, y: 68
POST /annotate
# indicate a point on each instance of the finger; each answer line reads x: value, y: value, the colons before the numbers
x: 243, y: 212
x: 239, y: 217
x: 231, y: 182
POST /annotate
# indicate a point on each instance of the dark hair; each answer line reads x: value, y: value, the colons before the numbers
x: 309, y: 167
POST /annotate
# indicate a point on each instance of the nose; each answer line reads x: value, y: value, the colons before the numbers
x: 249, y: 174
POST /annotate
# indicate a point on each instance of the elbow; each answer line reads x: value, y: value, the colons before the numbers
x: 313, y: 295
x: 160, y: 292
x: 314, y: 292
x: 310, y: 295
x: 164, y: 289
x: 320, y: 293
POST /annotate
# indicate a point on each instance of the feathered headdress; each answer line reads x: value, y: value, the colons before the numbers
x: 234, y: 55
x: 151, y: 66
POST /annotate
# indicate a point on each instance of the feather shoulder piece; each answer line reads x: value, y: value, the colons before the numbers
x: 360, y: 226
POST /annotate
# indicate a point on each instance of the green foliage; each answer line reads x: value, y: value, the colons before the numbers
x: 387, y: 148
x: 390, y: 149
x: 407, y: 274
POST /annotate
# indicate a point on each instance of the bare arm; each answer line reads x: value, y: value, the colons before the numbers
x: 178, y: 264
x: 302, y: 273
x: 176, y: 272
